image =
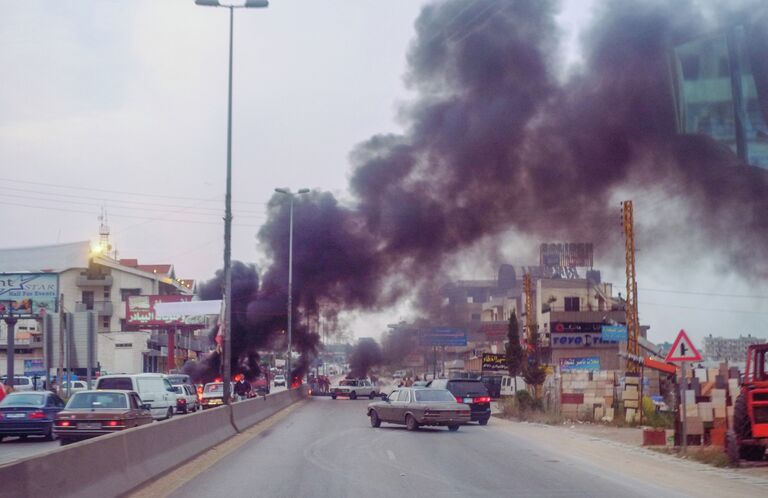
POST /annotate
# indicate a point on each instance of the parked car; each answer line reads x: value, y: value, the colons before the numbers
x: 279, y: 380
x: 77, y: 386
x: 471, y: 392
x: 29, y: 414
x: 354, y: 388
x: 213, y: 395
x: 186, y: 398
x: 417, y: 407
x: 508, y: 385
x: 154, y: 390
x: 95, y: 413
x: 20, y: 382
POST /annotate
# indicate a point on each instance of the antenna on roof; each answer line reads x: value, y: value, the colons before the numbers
x: 104, y: 244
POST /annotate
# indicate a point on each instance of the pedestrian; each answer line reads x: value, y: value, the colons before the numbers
x: 242, y: 388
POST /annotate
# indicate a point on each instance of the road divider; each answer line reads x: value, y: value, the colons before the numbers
x: 114, y: 464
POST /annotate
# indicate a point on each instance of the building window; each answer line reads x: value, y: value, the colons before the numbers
x: 475, y: 316
x: 123, y: 345
x: 88, y: 299
x: 571, y: 304
x: 105, y: 322
x: 106, y: 294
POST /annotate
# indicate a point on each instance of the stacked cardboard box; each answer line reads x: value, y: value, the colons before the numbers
x: 587, y: 395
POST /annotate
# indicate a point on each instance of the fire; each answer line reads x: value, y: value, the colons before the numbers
x: 296, y: 382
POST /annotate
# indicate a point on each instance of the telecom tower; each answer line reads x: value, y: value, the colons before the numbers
x: 633, y: 326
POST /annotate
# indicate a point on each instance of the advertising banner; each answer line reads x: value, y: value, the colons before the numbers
x: 617, y: 333
x: 567, y: 254
x: 580, y: 340
x: 571, y: 364
x: 34, y: 367
x: 495, y: 362
x: 28, y: 295
x: 443, y: 336
x: 575, y: 327
x: 140, y: 312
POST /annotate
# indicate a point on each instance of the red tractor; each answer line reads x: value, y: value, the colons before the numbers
x: 749, y: 436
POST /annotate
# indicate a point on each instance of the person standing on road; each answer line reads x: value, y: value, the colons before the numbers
x: 242, y: 388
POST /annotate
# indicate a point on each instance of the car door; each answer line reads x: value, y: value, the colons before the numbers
x: 386, y: 408
x: 400, y: 406
x: 139, y: 415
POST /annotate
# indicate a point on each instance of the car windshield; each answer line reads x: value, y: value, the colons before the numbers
x: 467, y: 388
x: 23, y: 400
x: 97, y: 400
x: 212, y: 388
x: 434, y: 395
x: 178, y: 390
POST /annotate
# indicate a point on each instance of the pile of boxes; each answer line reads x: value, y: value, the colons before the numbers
x: 708, y: 399
x: 587, y: 395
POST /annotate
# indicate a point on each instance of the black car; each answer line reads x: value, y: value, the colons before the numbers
x: 471, y: 392
x: 29, y: 413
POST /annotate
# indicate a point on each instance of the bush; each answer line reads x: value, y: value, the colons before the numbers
x: 653, y: 418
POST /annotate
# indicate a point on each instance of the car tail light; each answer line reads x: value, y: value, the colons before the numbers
x: 36, y: 415
x: 482, y: 399
x: 459, y: 399
x: 63, y: 423
x: 181, y: 401
x: 111, y: 423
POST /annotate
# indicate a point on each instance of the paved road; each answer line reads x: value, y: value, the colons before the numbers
x: 327, y: 448
x: 13, y: 448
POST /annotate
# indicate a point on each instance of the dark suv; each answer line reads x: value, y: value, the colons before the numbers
x: 471, y: 392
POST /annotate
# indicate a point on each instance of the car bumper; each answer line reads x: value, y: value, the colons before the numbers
x: 25, y: 428
x: 67, y: 433
x: 444, y: 420
x: 478, y: 413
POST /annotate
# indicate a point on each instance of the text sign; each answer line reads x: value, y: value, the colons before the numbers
x: 571, y: 340
x: 576, y: 327
x: 34, y: 367
x: 591, y: 363
x: 614, y: 333
x: 443, y: 336
x: 494, y: 362
x: 28, y: 294
x: 140, y: 312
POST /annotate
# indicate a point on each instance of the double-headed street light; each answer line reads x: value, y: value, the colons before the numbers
x: 226, y: 361
x: 291, y: 196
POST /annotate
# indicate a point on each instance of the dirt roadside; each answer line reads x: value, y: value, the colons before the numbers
x: 618, y: 450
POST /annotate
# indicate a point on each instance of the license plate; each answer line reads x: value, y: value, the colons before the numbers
x: 467, y: 400
x: 89, y: 425
x: 15, y: 415
x: 214, y: 402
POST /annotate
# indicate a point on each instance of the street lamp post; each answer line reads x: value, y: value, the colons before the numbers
x: 291, y: 196
x: 226, y: 361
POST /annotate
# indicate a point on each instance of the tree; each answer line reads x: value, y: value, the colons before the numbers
x: 535, y: 374
x: 515, y: 353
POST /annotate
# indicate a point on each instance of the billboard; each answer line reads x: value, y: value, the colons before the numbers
x: 28, y: 294
x: 566, y: 254
x: 443, y: 336
x: 34, y: 367
x: 571, y: 364
x: 577, y: 327
x: 614, y: 333
x: 579, y: 340
x: 140, y: 312
x: 495, y: 362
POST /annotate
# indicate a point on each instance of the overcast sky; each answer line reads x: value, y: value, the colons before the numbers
x: 122, y: 104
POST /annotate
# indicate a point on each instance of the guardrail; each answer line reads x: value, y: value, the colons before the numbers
x: 115, y: 464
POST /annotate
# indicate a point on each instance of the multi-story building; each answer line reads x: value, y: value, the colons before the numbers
x: 732, y: 349
x: 90, y: 280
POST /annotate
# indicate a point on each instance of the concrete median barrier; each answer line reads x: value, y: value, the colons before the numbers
x: 115, y: 464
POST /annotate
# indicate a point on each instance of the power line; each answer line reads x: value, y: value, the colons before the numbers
x: 699, y: 308
x: 715, y: 294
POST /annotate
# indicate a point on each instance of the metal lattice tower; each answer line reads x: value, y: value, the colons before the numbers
x: 633, y: 326
x: 530, y: 321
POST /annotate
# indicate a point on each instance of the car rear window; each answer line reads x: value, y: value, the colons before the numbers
x: 434, y: 395
x: 97, y: 400
x: 24, y: 400
x: 212, y: 388
x: 467, y: 388
x: 118, y: 383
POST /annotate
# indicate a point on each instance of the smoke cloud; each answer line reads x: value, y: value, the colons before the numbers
x: 496, y: 141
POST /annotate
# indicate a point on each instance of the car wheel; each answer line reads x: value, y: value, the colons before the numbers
x: 353, y: 395
x: 483, y: 421
x: 1, y: 439
x: 453, y: 428
x: 372, y: 395
x: 410, y: 423
x: 333, y: 396
x: 49, y: 434
x: 375, y: 420
x: 169, y: 414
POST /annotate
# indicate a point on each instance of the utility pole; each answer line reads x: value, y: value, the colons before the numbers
x: 633, y: 326
x: 60, y: 369
x: 530, y: 321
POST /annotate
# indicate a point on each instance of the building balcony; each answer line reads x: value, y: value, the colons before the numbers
x: 102, y: 308
x: 85, y: 280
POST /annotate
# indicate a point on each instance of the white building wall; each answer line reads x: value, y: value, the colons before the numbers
x: 122, y: 352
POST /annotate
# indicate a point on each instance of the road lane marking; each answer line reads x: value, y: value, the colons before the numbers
x: 391, y: 455
x: 170, y: 482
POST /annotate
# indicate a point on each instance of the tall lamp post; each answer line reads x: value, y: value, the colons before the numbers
x: 291, y: 197
x: 226, y: 361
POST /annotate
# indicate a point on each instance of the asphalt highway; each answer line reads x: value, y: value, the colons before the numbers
x: 327, y: 448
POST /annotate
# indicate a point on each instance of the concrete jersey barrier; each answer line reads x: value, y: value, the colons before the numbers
x: 113, y: 465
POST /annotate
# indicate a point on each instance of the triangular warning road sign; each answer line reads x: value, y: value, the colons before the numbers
x: 683, y: 349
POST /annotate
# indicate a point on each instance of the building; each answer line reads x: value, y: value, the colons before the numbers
x: 729, y: 349
x: 91, y: 281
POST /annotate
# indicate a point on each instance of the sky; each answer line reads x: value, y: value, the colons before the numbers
x: 122, y: 105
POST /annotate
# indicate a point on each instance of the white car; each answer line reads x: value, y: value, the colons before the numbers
x: 153, y: 388
x: 20, y: 382
x: 186, y: 398
x: 279, y: 380
x: 354, y: 388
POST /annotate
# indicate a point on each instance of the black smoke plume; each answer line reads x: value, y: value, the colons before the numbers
x: 365, y: 355
x: 497, y: 140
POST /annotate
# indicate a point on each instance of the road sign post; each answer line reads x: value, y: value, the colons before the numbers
x: 683, y: 351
